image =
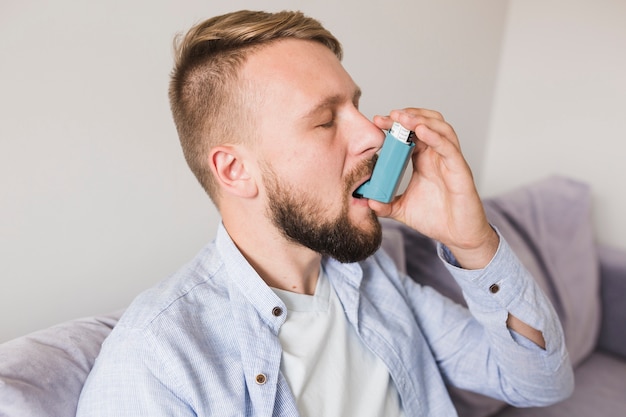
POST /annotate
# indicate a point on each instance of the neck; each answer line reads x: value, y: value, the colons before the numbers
x: 279, y: 262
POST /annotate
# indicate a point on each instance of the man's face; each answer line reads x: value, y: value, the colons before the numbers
x: 314, y: 149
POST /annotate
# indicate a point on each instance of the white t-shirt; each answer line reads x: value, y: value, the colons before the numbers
x: 328, y: 368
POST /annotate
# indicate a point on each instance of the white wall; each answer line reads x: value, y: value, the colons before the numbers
x: 96, y: 202
x: 560, y: 104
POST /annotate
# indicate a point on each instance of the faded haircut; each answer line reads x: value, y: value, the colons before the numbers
x: 209, y: 103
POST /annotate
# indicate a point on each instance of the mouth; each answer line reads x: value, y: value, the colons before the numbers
x: 356, y: 194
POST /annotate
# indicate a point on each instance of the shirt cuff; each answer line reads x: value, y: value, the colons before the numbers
x: 495, y: 286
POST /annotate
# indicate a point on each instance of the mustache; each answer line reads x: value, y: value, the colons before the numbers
x: 364, y: 169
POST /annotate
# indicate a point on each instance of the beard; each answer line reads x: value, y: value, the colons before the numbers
x: 300, y: 218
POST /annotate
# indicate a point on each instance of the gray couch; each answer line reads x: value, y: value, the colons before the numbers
x: 547, y: 223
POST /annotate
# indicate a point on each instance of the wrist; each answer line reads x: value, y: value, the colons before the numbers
x: 477, y: 256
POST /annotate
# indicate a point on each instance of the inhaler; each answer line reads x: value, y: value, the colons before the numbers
x: 392, y: 161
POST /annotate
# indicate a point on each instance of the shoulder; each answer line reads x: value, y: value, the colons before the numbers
x: 167, y: 325
x: 181, y: 294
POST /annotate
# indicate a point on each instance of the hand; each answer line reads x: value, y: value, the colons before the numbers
x: 441, y: 200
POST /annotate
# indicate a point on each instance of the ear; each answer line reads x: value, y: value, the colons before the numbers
x: 229, y: 168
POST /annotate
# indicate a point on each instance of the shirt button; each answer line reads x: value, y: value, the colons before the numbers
x: 494, y: 288
x: 260, y: 379
x: 277, y: 311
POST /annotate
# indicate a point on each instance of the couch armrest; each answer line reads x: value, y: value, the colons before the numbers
x: 42, y: 374
x: 613, y: 293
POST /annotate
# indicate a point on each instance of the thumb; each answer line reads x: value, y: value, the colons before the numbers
x: 381, y: 209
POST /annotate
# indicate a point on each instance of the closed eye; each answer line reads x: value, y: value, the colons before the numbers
x: 328, y: 124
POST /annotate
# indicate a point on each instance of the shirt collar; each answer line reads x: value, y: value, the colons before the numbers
x: 351, y: 273
x: 247, y: 281
x: 345, y: 277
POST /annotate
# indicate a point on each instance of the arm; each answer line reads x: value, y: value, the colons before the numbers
x: 476, y: 351
x: 441, y: 200
x: 525, y: 330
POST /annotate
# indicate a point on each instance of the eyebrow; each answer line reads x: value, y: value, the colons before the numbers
x: 332, y: 101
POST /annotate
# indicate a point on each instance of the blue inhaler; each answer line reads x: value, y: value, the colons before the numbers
x: 392, y: 161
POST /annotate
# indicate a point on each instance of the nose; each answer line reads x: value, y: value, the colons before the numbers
x: 365, y: 138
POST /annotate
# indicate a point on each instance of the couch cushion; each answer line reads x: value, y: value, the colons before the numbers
x: 42, y: 374
x: 548, y: 225
x: 613, y: 289
x: 599, y: 391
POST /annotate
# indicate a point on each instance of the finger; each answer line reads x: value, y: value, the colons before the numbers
x: 386, y: 122
x: 391, y: 210
x: 422, y: 126
x: 380, y: 209
x: 442, y: 144
x: 412, y: 111
x: 383, y: 122
x: 412, y: 118
x: 419, y: 147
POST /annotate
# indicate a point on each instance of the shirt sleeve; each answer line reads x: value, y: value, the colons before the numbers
x: 470, y: 344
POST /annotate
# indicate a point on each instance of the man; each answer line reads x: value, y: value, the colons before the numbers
x: 292, y: 310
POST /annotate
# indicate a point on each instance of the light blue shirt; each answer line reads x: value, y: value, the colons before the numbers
x: 205, y: 341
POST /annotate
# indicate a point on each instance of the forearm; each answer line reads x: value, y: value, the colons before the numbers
x: 503, y: 297
x: 525, y: 330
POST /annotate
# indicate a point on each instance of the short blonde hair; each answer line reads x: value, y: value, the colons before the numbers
x: 204, y: 92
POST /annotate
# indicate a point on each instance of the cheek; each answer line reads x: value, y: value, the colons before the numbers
x: 315, y: 173
x: 322, y: 172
